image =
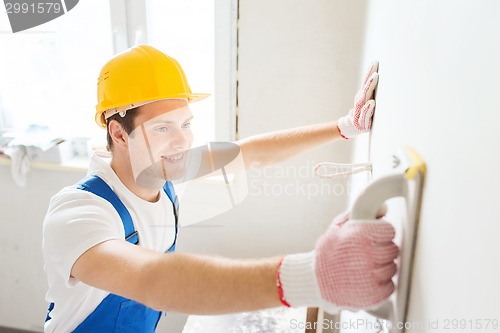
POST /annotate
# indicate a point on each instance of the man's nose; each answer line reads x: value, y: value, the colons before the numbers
x: 181, y: 139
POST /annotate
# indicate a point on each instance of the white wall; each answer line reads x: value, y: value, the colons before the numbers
x: 438, y: 91
x: 22, y: 279
x: 298, y: 65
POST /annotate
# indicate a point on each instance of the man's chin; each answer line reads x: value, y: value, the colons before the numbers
x: 156, y: 175
x: 173, y: 171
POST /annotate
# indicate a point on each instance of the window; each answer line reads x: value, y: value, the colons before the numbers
x: 185, y: 31
x: 201, y: 34
x: 48, y: 74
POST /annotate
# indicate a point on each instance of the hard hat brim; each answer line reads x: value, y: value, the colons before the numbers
x: 100, y: 118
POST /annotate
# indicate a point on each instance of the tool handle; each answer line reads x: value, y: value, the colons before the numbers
x: 366, y: 207
x: 375, y: 194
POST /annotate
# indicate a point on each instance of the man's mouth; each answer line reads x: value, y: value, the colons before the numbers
x: 173, y: 158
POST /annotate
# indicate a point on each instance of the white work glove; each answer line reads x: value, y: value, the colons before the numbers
x: 359, y: 119
x: 351, y: 268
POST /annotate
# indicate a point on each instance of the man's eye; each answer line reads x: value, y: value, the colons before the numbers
x: 186, y: 125
x: 161, y: 129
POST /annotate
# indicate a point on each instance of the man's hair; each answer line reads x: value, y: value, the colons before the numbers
x: 126, y: 122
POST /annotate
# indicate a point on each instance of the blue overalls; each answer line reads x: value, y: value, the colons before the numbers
x: 116, y: 313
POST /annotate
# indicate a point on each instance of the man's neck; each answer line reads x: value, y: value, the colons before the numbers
x: 123, y: 169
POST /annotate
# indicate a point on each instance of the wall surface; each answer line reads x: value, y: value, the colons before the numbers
x: 439, y: 73
x: 23, y: 282
x: 298, y: 65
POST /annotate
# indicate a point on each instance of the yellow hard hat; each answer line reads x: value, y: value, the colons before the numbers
x: 138, y: 76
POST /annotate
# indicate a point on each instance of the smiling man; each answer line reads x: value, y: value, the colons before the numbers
x: 111, y: 269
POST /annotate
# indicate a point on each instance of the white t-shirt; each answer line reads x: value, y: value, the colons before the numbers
x: 78, y: 220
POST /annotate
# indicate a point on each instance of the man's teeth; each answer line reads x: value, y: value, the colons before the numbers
x: 174, y: 157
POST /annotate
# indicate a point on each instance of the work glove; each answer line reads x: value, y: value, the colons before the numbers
x: 350, y: 268
x: 359, y: 119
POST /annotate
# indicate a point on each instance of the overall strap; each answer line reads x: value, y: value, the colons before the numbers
x: 170, y: 191
x: 94, y: 184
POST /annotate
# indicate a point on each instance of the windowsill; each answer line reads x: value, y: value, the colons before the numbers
x: 80, y: 164
x: 73, y: 165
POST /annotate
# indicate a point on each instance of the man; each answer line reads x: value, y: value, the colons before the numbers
x: 106, y: 263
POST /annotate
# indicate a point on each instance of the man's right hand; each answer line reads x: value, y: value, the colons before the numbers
x: 351, y: 267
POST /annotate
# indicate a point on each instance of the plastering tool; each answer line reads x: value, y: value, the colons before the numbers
x: 407, y: 182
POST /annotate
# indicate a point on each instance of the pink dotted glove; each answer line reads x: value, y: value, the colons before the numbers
x: 359, y: 119
x: 351, y: 268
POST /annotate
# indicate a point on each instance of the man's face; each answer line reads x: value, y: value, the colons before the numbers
x: 159, y: 140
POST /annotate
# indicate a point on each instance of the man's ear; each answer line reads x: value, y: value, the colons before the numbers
x: 117, y: 134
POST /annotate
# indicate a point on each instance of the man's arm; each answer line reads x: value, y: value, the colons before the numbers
x: 351, y: 267
x: 279, y: 146
x: 179, y: 282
